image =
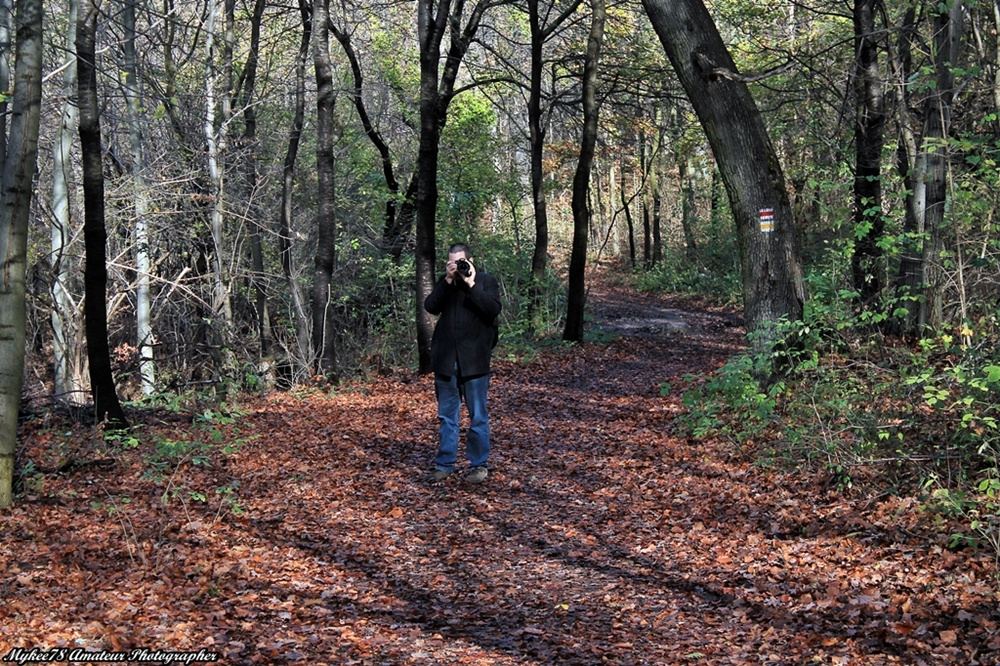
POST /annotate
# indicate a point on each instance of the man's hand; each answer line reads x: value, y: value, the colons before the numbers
x: 469, y: 279
x: 451, y: 271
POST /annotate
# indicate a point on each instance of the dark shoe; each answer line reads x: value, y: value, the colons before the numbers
x: 477, y: 475
x: 439, y: 475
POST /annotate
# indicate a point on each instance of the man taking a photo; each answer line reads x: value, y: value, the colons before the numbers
x: 467, y: 303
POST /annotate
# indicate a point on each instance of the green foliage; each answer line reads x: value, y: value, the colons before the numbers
x: 215, y: 432
x: 376, y: 313
x: 509, y: 260
x: 729, y: 403
x: 829, y: 391
x: 715, y: 274
x: 468, y: 179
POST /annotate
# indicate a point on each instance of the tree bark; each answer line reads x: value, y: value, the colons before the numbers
x: 7, y: 13
x: 215, y: 145
x: 869, y: 127
x: 102, y: 384
x: 912, y: 168
x: 577, y: 294
x: 324, y: 335
x: 246, y: 154
x: 16, y: 190
x: 67, y: 339
x: 430, y: 30
x: 303, y: 355
x: 540, y: 33
x: 143, y: 244
x: 688, y: 209
x: 773, y: 288
x: 536, y: 139
x: 947, y: 23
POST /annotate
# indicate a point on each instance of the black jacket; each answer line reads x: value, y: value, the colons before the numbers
x: 464, y: 330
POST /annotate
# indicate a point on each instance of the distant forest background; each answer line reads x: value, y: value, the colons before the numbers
x: 237, y: 196
x: 260, y: 173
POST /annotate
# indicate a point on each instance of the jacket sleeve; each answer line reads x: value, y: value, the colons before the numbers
x: 434, y: 303
x: 485, y: 295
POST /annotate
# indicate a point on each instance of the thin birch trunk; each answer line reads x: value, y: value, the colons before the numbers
x: 143, y: 243
x: 68, y: 383
x: 215, y: 143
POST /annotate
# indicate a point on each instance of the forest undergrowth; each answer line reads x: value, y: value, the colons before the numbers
x: 300, y: 528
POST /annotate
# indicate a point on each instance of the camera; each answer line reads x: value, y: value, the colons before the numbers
x: 463, y: 267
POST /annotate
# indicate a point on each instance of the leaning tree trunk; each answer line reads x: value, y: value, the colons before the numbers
x: 15, y: 204
x: 102, y: 384
x: 772, y: 276
x: 577, y: 295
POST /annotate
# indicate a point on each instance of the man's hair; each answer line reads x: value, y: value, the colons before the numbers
x: 460, y: 247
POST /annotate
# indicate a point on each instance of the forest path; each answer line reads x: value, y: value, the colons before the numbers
x: 601, y: 536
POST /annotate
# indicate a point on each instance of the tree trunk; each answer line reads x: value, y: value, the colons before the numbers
x: 540, y: 33
x: 627, y: 210
x: 648, y: 170
x: 536, y: 139
x: 67, y: 339
x: 16, y: 190
x: 102, y: 384
x: 430, y: 29
x: 577, y: 295
x: 143, y: 243
x: 302, y: 354
x: 912, y: 168
x: 937, y: 123
x: 214, y: 138
x: 773, y: 288
x: 688, y: 209
x: 247, y: 156
x: 656, y: 199
x: 436, y: 91
x: 869, y: 126
x: 324, y: 335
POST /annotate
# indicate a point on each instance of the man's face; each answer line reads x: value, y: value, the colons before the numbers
x: 453, y: 257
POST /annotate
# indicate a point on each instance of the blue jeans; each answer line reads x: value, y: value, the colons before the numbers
x: 449, y: 392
